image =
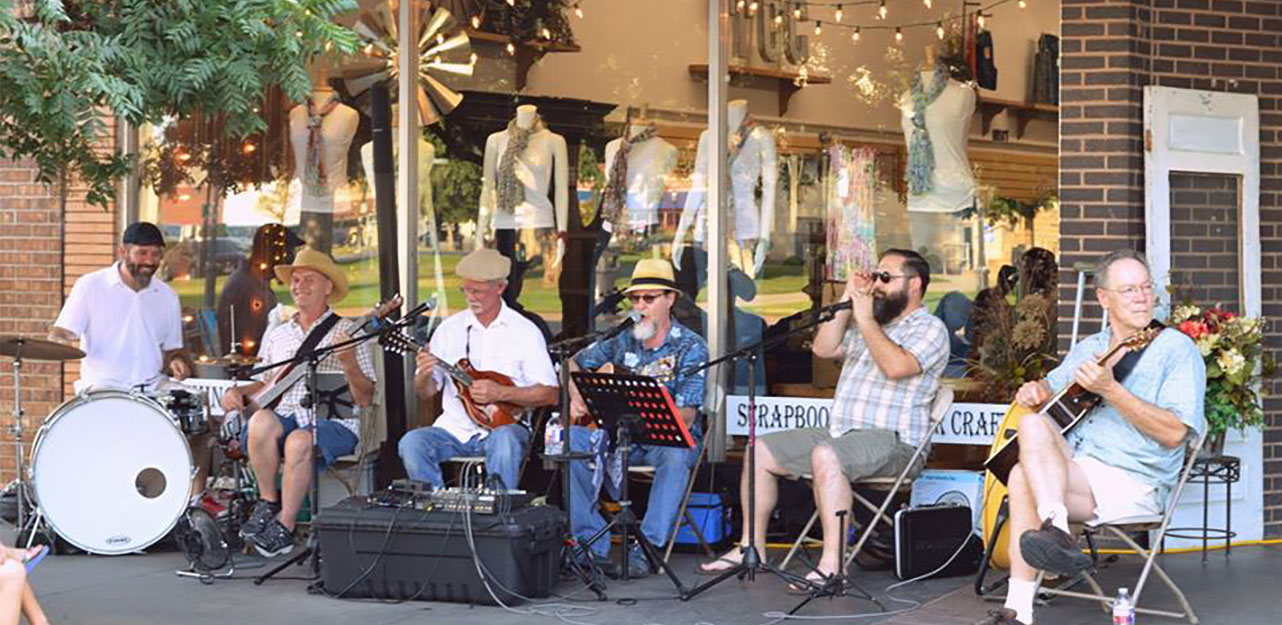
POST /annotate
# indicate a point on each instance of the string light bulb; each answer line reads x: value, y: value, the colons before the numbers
x: 899, y: 35
x: 249, y: 147
x: 547, y: 34
x: 796, y: 11
x: 476, y: 21
x: 839, y: 14
x: 819, y: 28
x: 1022, y: 4
x: 740, y: 5
x: 752, y: 8
x: 980, y: 19
x: 511, y: 48
x: 939, y: 29
x: 855, y: 35
x: 578, y: 11
x: 928, y: 3
x: 881, y: 10
x: 511, y: 3
x: 778, y: 19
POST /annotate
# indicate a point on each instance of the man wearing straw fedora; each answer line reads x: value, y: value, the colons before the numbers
x: 660, y: 347
x: 315, y: 282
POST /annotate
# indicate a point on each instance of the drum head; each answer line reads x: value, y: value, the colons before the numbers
x: 111, y: 472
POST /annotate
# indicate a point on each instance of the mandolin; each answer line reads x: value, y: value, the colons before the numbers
x: 464, y: 375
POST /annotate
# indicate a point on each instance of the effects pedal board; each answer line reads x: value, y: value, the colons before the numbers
x: 419, y: 495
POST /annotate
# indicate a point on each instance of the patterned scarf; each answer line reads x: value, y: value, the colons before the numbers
x: 741, y: 136
x: 314, y: 177
x: 921, y: 152
x: 616, y: 188
x: 510, y: 189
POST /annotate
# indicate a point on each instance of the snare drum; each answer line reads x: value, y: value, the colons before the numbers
x: 111, y: 471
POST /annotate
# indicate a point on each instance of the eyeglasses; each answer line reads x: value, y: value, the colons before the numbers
x: 886, y: 276
x: 643, y: 297
x: 1132, y: 291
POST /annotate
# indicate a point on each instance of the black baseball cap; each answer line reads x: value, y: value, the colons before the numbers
x: 143, y: 233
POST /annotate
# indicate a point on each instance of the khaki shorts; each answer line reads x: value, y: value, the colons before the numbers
x: 863, y: 453
x: 1118, y: 494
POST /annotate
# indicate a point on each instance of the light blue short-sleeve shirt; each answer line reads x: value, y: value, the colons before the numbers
x: 1170, y: 374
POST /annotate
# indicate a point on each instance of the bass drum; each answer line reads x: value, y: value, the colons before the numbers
x: 111, y: 472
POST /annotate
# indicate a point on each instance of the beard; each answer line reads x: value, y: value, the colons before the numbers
x: 140, y: 272
x: 644, y: 330
x: 885, y: 309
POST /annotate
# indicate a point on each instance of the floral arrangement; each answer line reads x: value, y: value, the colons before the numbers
x: 1013, y: 343
x: 1233, y: 349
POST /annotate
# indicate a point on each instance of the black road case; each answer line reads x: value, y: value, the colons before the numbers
x: 406, y: 553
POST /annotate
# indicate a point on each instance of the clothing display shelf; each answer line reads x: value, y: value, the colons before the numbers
x: 787, y: 82
x: 527, y: 53
x: 1023, y: 112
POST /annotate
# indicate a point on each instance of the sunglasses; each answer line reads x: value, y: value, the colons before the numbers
x: 644, y: 297
x: 886, y: 276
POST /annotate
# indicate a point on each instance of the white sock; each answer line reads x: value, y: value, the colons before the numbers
x: 1019, y: 597
x: 1057, y: 513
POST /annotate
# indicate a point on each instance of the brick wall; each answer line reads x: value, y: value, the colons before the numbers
x: 1111, y: 49
x: 30, y: 296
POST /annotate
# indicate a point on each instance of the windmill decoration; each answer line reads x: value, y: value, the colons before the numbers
x: 444, y: 50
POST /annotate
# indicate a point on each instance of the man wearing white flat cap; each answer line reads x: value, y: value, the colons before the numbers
x: 492, y: 337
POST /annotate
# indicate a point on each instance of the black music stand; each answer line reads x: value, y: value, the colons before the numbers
x: 637, y: 408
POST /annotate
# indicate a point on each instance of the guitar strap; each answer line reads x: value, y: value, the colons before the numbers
x: 1124, y: 366
x: 317, y: 334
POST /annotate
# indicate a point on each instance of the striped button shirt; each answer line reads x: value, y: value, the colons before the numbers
x: 867, y: 399
x: 283, y: 341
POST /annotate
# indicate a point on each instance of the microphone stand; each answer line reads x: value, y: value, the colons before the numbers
x: 575, y: 556
x: 312, y: 359
x: 753, y: 562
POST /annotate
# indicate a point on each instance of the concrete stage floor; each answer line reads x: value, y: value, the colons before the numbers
x: 1240, y: 588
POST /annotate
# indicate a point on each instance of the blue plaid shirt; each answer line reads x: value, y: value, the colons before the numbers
x: 681, y: 350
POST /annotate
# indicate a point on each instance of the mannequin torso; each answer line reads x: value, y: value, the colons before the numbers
x: 337, y: 128
x: 542, y: 167
x: 948, y: 121
x: 649, y: 163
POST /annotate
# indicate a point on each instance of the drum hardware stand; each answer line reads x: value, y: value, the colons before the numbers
x: 576, y: 556
x: 312, y: 550
x: 754, y: 560
x: 30, y: 519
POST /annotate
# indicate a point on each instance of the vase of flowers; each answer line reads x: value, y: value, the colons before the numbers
x: 1232, y: 347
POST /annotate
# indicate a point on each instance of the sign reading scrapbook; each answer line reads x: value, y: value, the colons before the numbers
x: 965, y: 424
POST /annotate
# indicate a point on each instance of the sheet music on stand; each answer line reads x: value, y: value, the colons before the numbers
x: 612, y: 396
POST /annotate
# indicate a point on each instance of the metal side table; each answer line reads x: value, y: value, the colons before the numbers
x: 1218, y: 470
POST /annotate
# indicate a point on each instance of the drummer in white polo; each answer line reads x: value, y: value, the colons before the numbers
x: 129, y: 324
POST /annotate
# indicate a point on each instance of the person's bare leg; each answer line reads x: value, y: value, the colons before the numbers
x: 202, y: 455
x: 1022, y: 517
x: 832, y: 494
x: 264, y: 452
x: 31, y: 607
x: 767, y: 494
x: 296, y: 476
x: 13, y: 578
x: 1045, y: 456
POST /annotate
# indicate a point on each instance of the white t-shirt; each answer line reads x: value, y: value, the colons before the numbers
x: 757, y: 153
x: 533, y: 168
x: 948, y: 122
x: 511, y: 345
x: 123, y: 332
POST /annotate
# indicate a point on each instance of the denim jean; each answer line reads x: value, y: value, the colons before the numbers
x: 672, y: 470
x: 423, y: 450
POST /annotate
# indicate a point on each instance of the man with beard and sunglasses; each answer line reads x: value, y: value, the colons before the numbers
x: 893, y: 352
x: 660, y: 347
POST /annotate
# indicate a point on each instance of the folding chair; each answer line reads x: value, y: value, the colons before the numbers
x: 1121, y: 530
x: 938, y: 408
x: 477, y: 463
x: 352, y: 469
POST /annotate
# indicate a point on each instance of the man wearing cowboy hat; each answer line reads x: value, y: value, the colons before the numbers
x: 492, y: 337
x: 315, y: 282
x: 660, y: 347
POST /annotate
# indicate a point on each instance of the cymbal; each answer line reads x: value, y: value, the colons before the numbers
x: 38, y: 349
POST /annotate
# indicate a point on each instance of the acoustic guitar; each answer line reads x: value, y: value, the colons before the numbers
x: 1068, y: 408
x: 289, y: 375
x: 464, y: 375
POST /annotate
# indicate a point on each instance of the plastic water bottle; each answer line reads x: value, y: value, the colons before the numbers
x: 552, y: 441
x: 1123, y: 609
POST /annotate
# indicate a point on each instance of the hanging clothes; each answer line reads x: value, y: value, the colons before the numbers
x: 852, y: 210
x: 1046, y: 70
x: 985, y: 66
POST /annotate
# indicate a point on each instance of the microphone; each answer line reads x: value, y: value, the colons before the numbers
x: 633, y: 318
x: 377, y: 324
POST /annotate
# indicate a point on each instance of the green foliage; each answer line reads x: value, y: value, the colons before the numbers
x: 591, y: 175
x: 1012, y: 212
x: 456, y: 185
x: 55, y: 85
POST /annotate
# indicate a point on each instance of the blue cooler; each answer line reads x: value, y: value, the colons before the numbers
x: 710, y: 515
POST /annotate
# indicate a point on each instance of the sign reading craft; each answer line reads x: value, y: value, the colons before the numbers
x: 965, y: 424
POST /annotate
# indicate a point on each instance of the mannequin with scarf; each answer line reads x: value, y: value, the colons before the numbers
x: 522, y: 164
x: 936, y: 119
x: 753, y: 159
x: 637, y: 166
x: 321, y: 131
